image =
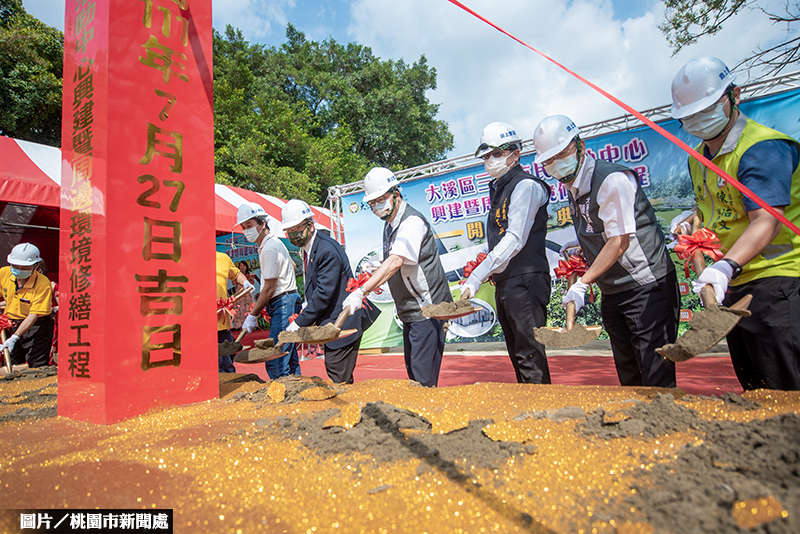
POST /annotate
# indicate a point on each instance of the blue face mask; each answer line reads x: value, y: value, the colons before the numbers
x: 20, y: 274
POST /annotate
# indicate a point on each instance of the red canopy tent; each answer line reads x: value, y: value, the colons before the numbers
x: 30, y: 198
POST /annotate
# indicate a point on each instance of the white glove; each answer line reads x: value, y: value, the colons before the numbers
x: 569, y: 245
x: 354, y: 300
x: 576, y: 294
x: 303, y: 306
x: 292, y: 327
x: 682, y: 222
x: 470, y: 287
x: 250, y: 323
x: 247, y: 285
x: 718, y: 275
x: 10, y: 342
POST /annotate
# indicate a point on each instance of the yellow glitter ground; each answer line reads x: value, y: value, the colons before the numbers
x: 219, y: 472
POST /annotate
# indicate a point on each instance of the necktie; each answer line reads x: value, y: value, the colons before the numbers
x: 305, y: 261
x: 387, y: 233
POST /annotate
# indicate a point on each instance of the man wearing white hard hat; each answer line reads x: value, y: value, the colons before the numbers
x: 416, y: 278
x: 27, y: 295
x: 762, y: 256
x: 326, y: 273
x: 618, y: 233
x: 516, y: 228
x: 278, y: 287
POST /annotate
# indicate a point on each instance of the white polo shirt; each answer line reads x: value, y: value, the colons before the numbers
x: 276, y: 264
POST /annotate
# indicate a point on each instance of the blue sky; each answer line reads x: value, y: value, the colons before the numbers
x: 484, y: 76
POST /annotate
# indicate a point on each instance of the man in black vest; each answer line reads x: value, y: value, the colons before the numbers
x: 516, y: 228
x: 618, y: 233
x: 416, y: 278
x: 327, y: 271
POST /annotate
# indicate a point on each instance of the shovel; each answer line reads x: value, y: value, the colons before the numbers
x: 450, y: 310
x: 6, y: 352
x: 709, y: 326
x: 319, y: 335
x: 574, y: 335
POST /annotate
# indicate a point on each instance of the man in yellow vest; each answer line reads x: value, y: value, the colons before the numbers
x: 762, y: 256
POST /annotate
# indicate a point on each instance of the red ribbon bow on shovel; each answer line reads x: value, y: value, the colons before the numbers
x: 359, y: 281
x: 704, y: 240
x: 263, y: 313
x: 226, y: 305
x: 5, y: 321
x: 575, y: 264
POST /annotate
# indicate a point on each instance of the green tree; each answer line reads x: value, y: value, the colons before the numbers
x: 686, y: 21
x: 31, y: 69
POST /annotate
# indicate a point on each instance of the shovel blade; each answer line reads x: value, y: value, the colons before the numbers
x: 566, y: 339
x: 706, y: 329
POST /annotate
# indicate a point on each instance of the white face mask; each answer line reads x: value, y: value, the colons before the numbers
x: 251, y: 234
x: 563, y: 168
x: 706, y: 124
x: 383, y: 209
x: 496, y: 167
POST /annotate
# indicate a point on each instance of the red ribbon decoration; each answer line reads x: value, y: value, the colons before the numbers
x: 226, y: 305
x: 703, y: 240
x: 471, y: 265
x: 293, y: 317
x: 355, y: 283
x: 575, y: 265
x: 5, y: 321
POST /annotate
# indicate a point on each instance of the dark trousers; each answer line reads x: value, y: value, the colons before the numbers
x: 639, y: 321
x: 340, y: 363
x: 225, y: 363
x: 522, y: 306
x: 423, y: 345
x: 765, y: 347
x: 34, y: 346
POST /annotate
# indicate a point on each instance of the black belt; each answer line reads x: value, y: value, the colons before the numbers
x: 276, y: 297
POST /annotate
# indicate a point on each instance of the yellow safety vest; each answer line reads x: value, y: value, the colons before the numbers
x: 724, y: 212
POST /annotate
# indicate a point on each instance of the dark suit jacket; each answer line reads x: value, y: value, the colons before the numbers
x: 326, y: 276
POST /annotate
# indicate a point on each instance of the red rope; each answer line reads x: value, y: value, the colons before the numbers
x: 683, y: 146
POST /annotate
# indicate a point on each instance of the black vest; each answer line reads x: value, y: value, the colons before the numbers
x: 415, y: 286
x: 645, y: 261
x: 532, y: 258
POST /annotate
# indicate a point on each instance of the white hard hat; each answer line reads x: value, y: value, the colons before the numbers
x: 698, y: 85
x: 378, y: 181
x: 250, y: 210
x: 553, y: 135
x: 24, y: 254
x: 294, y: 212
x: 498, y: 135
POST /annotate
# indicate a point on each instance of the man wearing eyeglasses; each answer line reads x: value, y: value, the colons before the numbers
x: 619, y: 235
x: 517, y: 261
x: 415, y: 274
x: 762, y: 256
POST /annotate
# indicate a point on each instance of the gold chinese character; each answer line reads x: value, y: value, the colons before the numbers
x: 173, y: 240
x: 82, y: 169
x: 564, y: 217
x: 177, y: 147
x: 148, y: 346
x: 166, y: 23
x: 82, y: 197
x: 171, y: 99
x: 474, y: 230
x: 84, y: 18
x: 163, y: 54
x: 173, y: 304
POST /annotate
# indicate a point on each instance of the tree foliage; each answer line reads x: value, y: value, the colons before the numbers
x: 296, y: 119
x: 686, y: 21
x: 31, y: 58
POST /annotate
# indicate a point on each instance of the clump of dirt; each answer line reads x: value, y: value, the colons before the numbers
x: 564, y: 414
x: 447, y: 309
x: 228, y: 348
x: 565, y: 339
x: 706, y: 329
x: 735, y: 462
x: 310, y: 334
x: 35, y: 372
x: 653, y: 419
x: 295, y: 385
x: 27, y: 400
x: 389, y: 434
x: 735, y: 402
x: 259, y: 355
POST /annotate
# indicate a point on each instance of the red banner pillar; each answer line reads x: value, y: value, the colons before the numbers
x: 137, y: 309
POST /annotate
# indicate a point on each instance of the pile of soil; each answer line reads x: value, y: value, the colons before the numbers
x: 310, y: 334
x: 264, y: 351
x: 649, y: 420
x: 228, y: 348
x: 706, y: 329
x: 562, y: 339
x: 31, y: 401
x: 447, y: 309
x: 293, y: 388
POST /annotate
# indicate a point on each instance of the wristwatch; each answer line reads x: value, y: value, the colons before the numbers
x: 737, y: 269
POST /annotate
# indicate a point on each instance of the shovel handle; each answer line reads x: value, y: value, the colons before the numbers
x: 6, y: 352
x: 571, y: 305
x: 342, y: 317
x: 241, y: 335
x: 707, y: 295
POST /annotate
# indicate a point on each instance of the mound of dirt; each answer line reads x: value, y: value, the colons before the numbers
x: 309, y: 334
x: 446, y: 309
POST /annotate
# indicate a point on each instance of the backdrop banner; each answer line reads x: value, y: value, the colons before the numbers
x: 456, y: 203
